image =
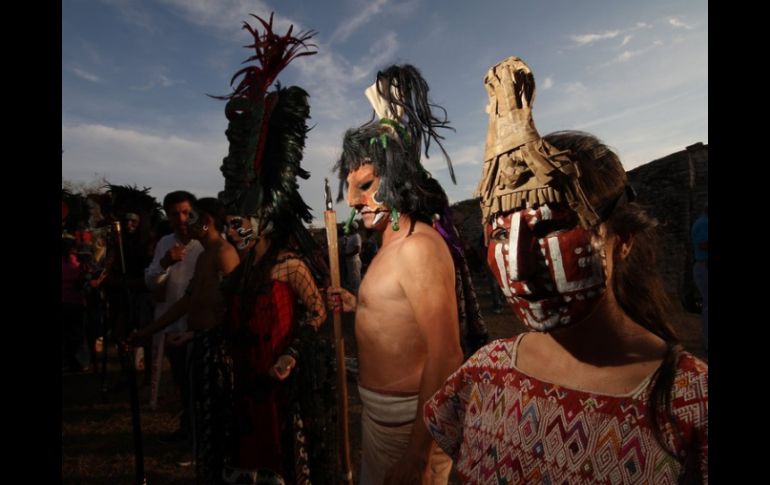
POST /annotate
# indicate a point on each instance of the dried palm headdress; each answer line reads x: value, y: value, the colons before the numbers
x: 520, y: 168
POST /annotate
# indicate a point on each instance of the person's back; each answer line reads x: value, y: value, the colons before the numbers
x: 207, y: 303
x: 536, y: 428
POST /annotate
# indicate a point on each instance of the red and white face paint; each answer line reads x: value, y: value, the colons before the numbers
x: 549, y: 267
x: 363, y: 185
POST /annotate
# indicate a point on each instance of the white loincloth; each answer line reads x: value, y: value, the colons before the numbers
x: 386, y: 425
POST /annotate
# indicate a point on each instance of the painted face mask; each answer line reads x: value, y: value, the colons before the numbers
x: 548, y: 266
x: 239, y: 232
x: 195, y: 224
x: 363, y: 185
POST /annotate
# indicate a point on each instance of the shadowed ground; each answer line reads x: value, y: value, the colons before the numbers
x: 97, y: 446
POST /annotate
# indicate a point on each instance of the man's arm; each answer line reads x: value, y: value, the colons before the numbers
x: 177, y: 311
x: 426, y: 274
x: 164, y: 257
x: 155, y: 274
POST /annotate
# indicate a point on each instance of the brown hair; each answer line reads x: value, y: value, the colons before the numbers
x: 636, y: 282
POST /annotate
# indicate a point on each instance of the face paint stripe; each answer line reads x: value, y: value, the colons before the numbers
x: 560, y: 277
x: 545, y: 213
x: 513, y: 245
x: 501, y: 268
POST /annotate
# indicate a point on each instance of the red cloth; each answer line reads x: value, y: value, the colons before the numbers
x: 71, y: 279
x: 259, y: 404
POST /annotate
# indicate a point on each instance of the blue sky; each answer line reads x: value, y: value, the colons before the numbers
x: 135, y: 75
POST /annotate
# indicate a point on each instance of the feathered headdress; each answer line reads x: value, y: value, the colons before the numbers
x: 393, y: 142
x: 267, y: 133
x: 124, y: 199
x: 255, y: 117
x: 74, y: 210
x: 520, y: 167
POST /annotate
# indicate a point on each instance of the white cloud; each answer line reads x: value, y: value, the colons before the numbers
x: 678, y: 24
x: 226, y: 16
x: 586, y: 39
x: 91, y: 52
x: 467, y: 155
x: 134, y: 13
x: 163, y: 162
x: 626, y: 55
x: 626, y: 40
x: 547, y: 83
x: 330, y: 77
x: 575, y: 88
x: 380, y: 52
x: 86, y: 75
x: 563, y: 101
x: 632, y: 111
x: 159, y: 80
x: 350, y: 25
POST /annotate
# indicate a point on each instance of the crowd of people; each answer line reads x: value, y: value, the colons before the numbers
x: 233, y: 289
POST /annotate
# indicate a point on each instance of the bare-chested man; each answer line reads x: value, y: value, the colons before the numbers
x: 204, y: 305
x: 406, y: 325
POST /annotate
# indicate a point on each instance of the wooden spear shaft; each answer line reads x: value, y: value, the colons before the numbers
x: 130, y: 372
x: 330, y: 218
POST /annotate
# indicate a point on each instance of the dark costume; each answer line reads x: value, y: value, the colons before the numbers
x: 274, y: 306
x: 268, y: 429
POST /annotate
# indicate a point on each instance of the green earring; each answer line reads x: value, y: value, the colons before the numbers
x: 346, y: 227
x: 394, y: 219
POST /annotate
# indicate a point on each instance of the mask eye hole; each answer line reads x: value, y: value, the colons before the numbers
x: 236, y: 222
x: 366, y: 185
x: 499, y: 234
x: 192, y: 218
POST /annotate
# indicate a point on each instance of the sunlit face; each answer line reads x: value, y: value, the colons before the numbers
x: 363, y: 185
x: 551, y: 270
x: 178, y: 215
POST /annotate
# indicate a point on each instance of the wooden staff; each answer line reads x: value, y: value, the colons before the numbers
x: 128, y: 368
x: 330, y: 218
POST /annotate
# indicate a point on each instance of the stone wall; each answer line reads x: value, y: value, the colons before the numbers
x: 675, y: 189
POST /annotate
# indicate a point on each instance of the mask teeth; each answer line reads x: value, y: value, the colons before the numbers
x: 377, y: 218
x: 346, y: 228
x: 394, y: 219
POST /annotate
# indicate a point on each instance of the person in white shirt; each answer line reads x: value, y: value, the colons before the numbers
x: 168, y: 277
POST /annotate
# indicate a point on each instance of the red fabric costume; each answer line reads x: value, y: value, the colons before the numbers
x: 260, y: 407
